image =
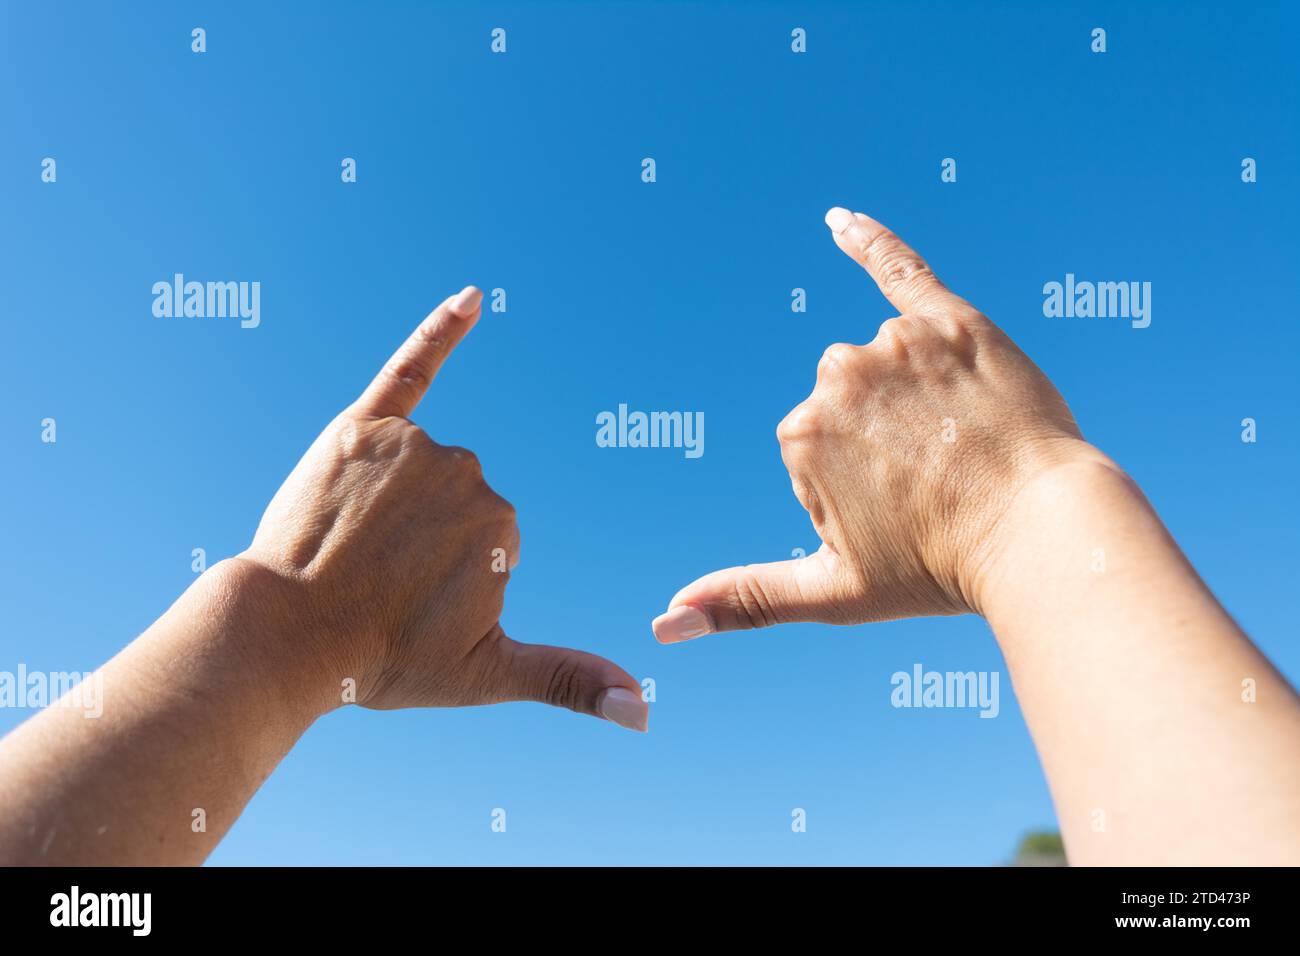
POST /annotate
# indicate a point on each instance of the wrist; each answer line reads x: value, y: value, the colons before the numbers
x: 1030, y: 521
x: 265, y: 626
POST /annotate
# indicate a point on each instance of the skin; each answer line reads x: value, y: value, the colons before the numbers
x: 945, y: 475
x: 376, y: 565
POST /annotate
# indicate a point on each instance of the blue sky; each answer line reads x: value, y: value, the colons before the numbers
x: 522, y: 171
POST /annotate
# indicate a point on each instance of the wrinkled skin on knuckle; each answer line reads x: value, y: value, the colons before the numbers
x: 894, y: 338
x: 451, y: 479
x: 880, y: 249
x: 803, y: 424
x: 464, y: 459
x: 356, y: 439
x: 915, y: 281
x: 926, y: 348
x: 785, y: 429
x: 837, y: 360
x: 899, y: 267
x: 405, y: 373
x: 751, y: 605
x: 963, y: 344
x: 564, y: 685
x: 958, y: 335
x: 410, y: 435
x: 432, y: 335
x: 360, y: 439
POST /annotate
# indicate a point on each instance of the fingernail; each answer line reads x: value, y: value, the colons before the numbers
x: 680, y: 624
x: 466, y: 300
x: 625, y: 708
x: 839, y: 219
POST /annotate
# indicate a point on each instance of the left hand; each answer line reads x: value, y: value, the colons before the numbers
x: 390, y: 554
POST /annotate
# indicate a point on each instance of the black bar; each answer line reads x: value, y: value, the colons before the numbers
x: 661, y: 907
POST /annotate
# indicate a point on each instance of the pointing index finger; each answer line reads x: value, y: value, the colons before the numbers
x: 902, y: 275
x: 405, y: 377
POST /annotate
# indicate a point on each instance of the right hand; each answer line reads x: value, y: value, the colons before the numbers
x: 389, y: 556
x: 906, y: 456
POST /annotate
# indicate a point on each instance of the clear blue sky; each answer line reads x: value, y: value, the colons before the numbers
x: 522, y: 171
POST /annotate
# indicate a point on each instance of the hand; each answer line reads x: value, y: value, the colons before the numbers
x: 906, y: 455
x: 389, y: 555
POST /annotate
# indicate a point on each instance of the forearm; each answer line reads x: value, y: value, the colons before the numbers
x: 1132, y: 680
x: 195, y: 715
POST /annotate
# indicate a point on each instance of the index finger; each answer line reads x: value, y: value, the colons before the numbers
x: 902, y: 275
x: 405, y: 377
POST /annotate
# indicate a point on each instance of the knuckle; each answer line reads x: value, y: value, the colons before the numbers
x: 896, y: 332
x: 752, y: 603
x: 368, y: 439
x: 433, y: 335
x: 878, y: 245
x: 412, y: 435
x: 899, y: 336
x: 504, y: 510
x: 406, y: 371
x: 836, y: 357
x: 352, y: 439
x: 465, y: 459
x: 801, y: 424
x: 900, y: 268
x: 947, y: 325
x: 951, y: 334
x: 960, y: 338
x: 564, y: 686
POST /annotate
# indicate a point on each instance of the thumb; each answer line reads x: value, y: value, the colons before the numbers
x: 563, y: 677
x: 756, y: 595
